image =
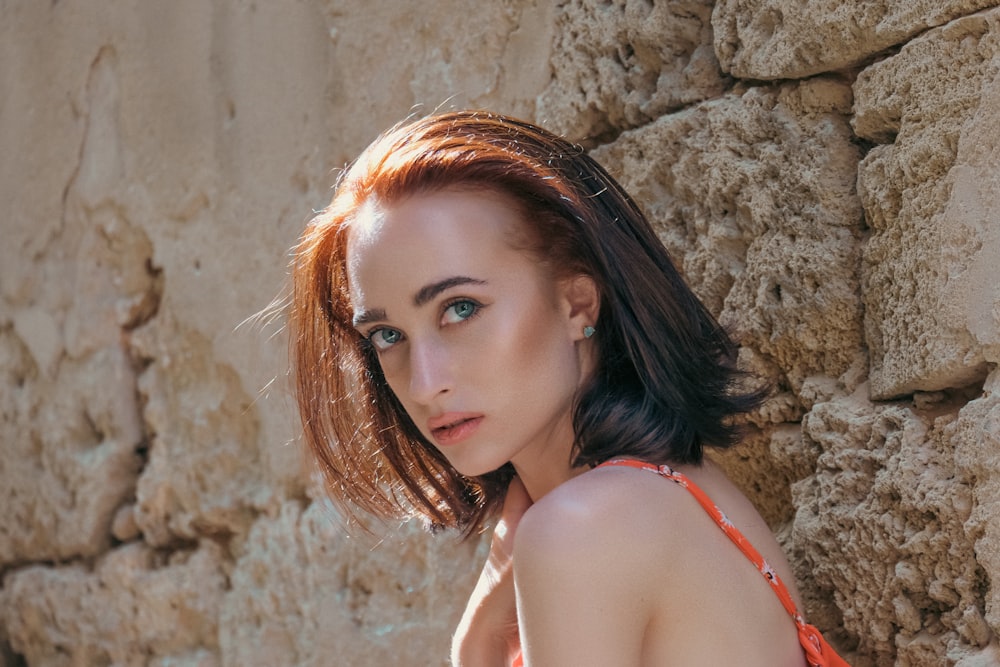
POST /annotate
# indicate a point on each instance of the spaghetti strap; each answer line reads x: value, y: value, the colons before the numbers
x: 817, y: 651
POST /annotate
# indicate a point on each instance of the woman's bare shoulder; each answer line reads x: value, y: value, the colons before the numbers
x: 626, y: 512
x: 586, y: 570
x: 640, y: 549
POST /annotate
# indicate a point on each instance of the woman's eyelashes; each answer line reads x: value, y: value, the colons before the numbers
x: 459, y: 310
x: 383, y: 338
x: 455, y: 311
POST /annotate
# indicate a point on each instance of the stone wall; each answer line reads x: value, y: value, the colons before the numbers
x: 825, y: 172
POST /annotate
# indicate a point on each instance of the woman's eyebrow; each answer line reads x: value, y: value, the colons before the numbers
x: 428, y: 292
x: 424, y: 295
x: 368, y: 316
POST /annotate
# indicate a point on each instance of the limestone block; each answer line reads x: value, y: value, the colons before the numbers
x: 70, y: 450
x: 303, y: 591
x: 390, y: 59
x: 790, y: 39
x: 880, y: 525
x: 977, y: 450
x: 205, y: 473
x: 136, y: 607
x: 75, y: 282
x: 753, y: 195
x: 929, y: 192
x: 67, y: 470
x: 617, y: 65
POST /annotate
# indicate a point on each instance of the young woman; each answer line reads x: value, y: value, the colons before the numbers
x: 485, y: 325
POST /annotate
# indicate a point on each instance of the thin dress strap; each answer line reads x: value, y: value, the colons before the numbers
x: 818, y: 652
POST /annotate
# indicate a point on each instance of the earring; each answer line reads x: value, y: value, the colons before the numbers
x: 588, y: 331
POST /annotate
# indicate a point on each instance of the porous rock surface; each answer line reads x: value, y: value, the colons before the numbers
x: 754, y: 193
x: 871, y: 527
x: 930, y: 281
x: 621, y: 64
x: 825, y: 174
x: 307, y: 593
x: 133, y: 603
x: 790, y: 39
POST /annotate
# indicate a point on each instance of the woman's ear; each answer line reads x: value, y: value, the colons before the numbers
x: 582, y: 303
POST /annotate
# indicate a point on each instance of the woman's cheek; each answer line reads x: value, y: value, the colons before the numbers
x: 392, y: 370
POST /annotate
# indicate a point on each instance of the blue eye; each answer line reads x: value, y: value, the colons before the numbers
x: 460, y: 311
x: 384, y: 338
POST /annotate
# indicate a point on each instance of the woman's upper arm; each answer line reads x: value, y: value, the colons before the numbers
x: 581, y: 575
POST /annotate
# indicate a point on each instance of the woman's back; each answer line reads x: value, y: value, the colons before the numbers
x: 620, y: 555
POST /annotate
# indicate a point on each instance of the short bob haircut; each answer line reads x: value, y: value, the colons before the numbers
x: 665, y: 381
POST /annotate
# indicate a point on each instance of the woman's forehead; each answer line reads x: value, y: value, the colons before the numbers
x: 430, y: 236
x: 476, y: 216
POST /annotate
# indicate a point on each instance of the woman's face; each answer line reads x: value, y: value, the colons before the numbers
x: 478, y: 341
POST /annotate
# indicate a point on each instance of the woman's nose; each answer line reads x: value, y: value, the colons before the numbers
x: 429, y: 374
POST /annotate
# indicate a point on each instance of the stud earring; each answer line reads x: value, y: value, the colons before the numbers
x: 588, y: 331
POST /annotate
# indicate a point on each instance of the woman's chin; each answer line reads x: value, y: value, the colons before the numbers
x: 476, y: 468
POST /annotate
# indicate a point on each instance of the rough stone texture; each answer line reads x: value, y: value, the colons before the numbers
x: 932, y: 315
x: 880, y: 524
x: 304, y: 591
x: 754, y: 195
x: 977, y: 451
x: 159, y: 158
x: 204, y: 474
x: 135, y: 603
x: 72, y: 425
x: 790, y: 39
x: 391, y: 58
x: 621, y: 64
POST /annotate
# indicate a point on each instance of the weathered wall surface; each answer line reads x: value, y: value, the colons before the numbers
x: 827, y: 174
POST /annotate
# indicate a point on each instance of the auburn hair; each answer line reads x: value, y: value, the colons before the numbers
x: 665, y: 382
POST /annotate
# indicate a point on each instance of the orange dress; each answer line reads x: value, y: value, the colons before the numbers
x: 817, y: 651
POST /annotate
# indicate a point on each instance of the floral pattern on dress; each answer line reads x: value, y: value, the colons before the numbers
x: 817, y: 651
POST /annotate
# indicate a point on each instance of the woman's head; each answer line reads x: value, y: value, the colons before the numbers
x: 469, y: 214
x: 481, y: 344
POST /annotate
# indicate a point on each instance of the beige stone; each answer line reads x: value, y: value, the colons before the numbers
x: 617, y: 65
x: 123, y: 526
x: 389, y: 59
x: 983, y: 658
x: 205, y: 474
x: 74, y: 285
x: 977, y: 450
x: 135, y: 603
x: 880, y: 526
x: 753, y: 195
x: 929, y: 284
x: 69, y: 452
x: 790, y: 39
x: 304, y: 591
x: 159, y: 159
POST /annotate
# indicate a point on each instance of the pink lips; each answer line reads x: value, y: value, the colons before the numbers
x: 453, y: 427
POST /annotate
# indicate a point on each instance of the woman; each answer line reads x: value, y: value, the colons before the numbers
x: 485, y: 324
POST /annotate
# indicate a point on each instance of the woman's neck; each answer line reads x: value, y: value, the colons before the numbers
x: 541, y: 476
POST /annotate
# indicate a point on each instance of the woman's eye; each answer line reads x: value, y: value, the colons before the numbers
x: 460, y: 310
x: 383, y: 339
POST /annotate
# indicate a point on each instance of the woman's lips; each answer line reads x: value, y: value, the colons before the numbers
x: 453, y: 427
